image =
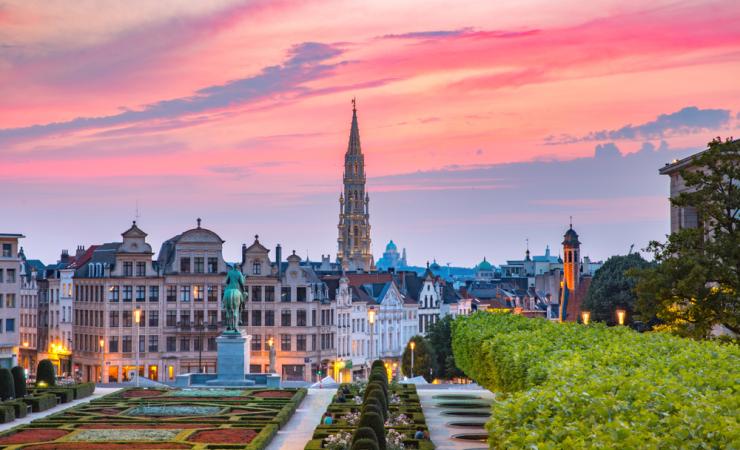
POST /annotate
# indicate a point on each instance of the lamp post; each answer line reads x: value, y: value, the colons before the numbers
x: 271, y: 344
x: 585, y: 317
x: 102, y: 357
x: 621, y: 314
x: 200, y: 327
x: 137, y: 319
x: 412, y: 344
x: 371, y: 321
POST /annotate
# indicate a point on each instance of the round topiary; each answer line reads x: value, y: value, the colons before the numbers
x: 377, y: 363
x: 379, y: 397
x: 364, y: 433
x: 373, y: 407
x: 46, y: 373
x: 7, y: 386
x: 375, y: 403
x: 377, y: 377
x: 365, y: 444
x: 375, y: 421
x: 375, y: 386
x: 19, y: 379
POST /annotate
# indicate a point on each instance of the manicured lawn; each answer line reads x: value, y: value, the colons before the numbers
x: 163, y: 419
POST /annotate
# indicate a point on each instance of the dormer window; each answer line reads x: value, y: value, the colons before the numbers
x: 257, y: 268
x: 185, y: 265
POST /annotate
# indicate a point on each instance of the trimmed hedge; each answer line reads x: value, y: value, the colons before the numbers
x: 7, y: 413
x: 365, y: 444
x: 19, y: 406
x: 82, y: 390
x: 7, y: 386
x: 46, y: 372
x: 41, y: 402
x: 19, y: 381
x: 574, y: 386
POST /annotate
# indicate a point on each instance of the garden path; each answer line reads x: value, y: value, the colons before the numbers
x: 439, y: 430
x: 299, y: 429
x: 99, y: 392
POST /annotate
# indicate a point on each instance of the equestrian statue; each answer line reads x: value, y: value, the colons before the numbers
x: 233, y: 299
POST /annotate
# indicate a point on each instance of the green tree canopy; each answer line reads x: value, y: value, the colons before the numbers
x: 613, y: 288
x: 695, y: 286
x: 424, y: 358
x: 439, y: 337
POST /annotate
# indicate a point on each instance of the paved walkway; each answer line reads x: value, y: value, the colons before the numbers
x: 439, y: 430
x: 299, y: 429
x: 99, y: 392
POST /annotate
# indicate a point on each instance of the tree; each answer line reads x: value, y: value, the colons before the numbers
x: 45, y: 372
x: 439, y: 337
x: 19, y: 380
x: 613, y: 288
x: 424, y: 358
x: 695, y: 285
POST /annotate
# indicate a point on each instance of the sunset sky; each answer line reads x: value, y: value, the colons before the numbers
x: 483, y: 124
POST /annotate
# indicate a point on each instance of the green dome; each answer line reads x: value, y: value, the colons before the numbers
x: 391, y: 246
x: 485, y: 265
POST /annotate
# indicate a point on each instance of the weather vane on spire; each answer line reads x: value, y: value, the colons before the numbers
x: 354, y: 104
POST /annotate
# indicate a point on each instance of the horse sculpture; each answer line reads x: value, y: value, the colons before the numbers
x: 233, y: 298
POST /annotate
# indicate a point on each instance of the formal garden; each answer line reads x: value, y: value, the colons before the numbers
x: 373, y: 415
x: 163, y: 419
x: 19, y: 398
x: 583, y: 386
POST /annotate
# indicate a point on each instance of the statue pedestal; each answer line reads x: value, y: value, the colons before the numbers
x: 232, y: 361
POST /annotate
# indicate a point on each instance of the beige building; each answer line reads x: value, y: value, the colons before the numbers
x: 288, y: 307
x: 10, y: 291
x: 681, y: 217
x: 32, y: 272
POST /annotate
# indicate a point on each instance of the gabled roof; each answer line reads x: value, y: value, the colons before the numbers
x: 134, y: 232
x: 84, y: 258
x: 257, y: 246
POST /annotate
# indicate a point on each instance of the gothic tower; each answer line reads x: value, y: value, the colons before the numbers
x: 571, y: 259
x: 354, y: 208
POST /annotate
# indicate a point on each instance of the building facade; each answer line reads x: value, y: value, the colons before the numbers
x: 10, y: 291
x: 32, y: 273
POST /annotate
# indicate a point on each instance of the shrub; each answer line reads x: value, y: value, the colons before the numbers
x: 82, y: 390
x: 375, y: 403
x: 365, y: 444
x: 375, y: 421
x: 46, y: 372
x: 19, y: 381
x: 7, y: 386
x: 19, y: 406
x: 41, y: 402
x: 612, y: 386
x: 364, y: 433
x: 376, y: 386
x: 7, y: 413
x: 378, y: 395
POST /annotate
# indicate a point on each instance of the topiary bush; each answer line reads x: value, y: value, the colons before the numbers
x: 375, y: 421
x: 19, y: 380
x: 45, y: 372
x: 375, y: 403
x: 365, y: 444
x: 364, y: 433
x: 378, y: 395
x: 7, y: 386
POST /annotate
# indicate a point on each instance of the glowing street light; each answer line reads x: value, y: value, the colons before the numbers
x: 412, y: 344
x: 137, y: 319
x: 371, y: 321
x: 102, y: 357
x: 585, y: 317
x: 621, y: 314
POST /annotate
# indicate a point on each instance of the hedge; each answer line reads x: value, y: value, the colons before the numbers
x: 575, y: 386
x: 41, y: 402
x: 45, y: 372
x: 82, y: 390
x: 19, y: 381
x: 19, y: 406
x: 7, y: 413
x: 7, y: 386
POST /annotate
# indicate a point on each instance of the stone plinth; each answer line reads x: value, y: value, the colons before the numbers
x: 232, y: 361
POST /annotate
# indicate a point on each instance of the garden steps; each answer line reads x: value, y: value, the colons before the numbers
x: 299, y: 429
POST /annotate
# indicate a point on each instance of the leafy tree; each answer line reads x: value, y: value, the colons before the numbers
x: 695, y: 285
x: 424, y: 358
x: 613, y: 288
x: 46, y: 372
x: 19, y: 380
x: 439, y: 337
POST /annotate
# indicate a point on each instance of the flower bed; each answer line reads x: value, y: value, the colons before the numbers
x: 605, y: 387
x: 147, y: 419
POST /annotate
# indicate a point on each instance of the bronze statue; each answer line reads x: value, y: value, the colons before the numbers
x: 233, y: 298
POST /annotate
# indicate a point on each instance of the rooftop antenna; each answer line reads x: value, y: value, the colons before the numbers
x: 571, y: 222
x: 631, y: 247
x: 136, y: 212
x: 354, y: 104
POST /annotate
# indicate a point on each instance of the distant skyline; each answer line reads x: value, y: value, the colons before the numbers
x: 482, y: 125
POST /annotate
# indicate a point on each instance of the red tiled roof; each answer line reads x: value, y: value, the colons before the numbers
x: 358, y: 279
x: 77, y: 263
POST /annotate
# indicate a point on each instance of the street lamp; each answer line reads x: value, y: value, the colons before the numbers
x: 412, y: 344
x: 585, y: 317
x: 621, y: 314
x: 371, y: 321
x: 271, y: 344
x: 102, y: 357
x: 137, y: 319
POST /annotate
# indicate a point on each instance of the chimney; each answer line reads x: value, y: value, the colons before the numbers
x: 65, y: 257
x: 244, y: 255
x: 80, y: 251
x: 279, y: 260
